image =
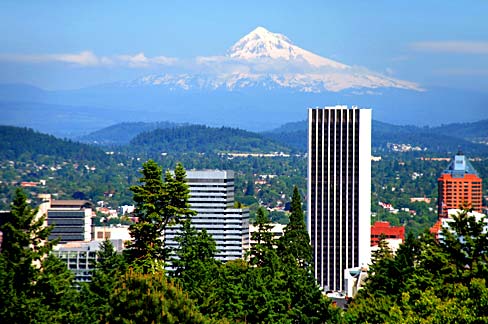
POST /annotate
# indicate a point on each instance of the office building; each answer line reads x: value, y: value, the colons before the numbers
x: 81, y: 257
x: 71, y: 220
x: 212, y: 197
x: 339, y: 191
x: 459, y: 185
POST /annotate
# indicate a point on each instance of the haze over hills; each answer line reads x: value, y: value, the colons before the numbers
x: 291, y: 136
x: 446, y: 138
x: 262, y: 82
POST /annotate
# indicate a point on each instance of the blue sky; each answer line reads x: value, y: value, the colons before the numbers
x: 68, y: 44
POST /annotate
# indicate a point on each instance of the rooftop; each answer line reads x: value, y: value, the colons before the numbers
x: 460, y: 166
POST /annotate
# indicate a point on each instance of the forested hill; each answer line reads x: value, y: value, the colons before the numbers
x: 429, y: 138
x: 477, y: 131
x: 442, y: 139
x: 123, y: 133
x: 24, y: 144
x: 203, y: 139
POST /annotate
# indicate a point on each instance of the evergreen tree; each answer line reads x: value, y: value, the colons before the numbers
x: 109, y: 267
x: 429, y: 280
x: 294, y: 245
x: 229, y: 297
x: 158, y: 204
x: 306, y: 302
x: 466, y: 242
x: 151, y: 298
x: 35, y: 287
x: 263, y: 250
x: 194, y: 263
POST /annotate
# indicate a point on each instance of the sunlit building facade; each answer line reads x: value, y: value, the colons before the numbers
x: 339, y: 191
x: 459, y: 185
x: 212, y: 197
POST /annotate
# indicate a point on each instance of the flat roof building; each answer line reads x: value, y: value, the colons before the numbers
x: 339, y: 191
x: 71, y: 220
x: 459, y: 185
x: 212, y: 197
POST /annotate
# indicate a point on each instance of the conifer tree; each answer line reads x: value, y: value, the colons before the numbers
x: 151, y: 298
x: 33, y: 285
x: 109, y: 267
x: 263, y: 250
x: 294, y: 245
x: 194, y: 263
x: 158, y: 204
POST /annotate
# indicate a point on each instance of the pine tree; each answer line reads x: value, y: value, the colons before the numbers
x: 195, y: 264
x: 307, y: 304
x: 33, y: 285
x: 109, y: 267
x: 294, y: 245
x: 263, y: 250
x: 151, y: 298
x: 158, y: 205
x: 466, y: 241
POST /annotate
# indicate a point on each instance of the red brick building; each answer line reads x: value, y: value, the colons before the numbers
x: 459, y: 185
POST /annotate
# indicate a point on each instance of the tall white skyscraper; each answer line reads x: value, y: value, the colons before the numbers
x: 339, y: 191
x: 212, y: 197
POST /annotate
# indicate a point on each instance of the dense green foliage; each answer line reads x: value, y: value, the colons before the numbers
x: 203, y: 139
x: 151, y: 298
x: 428, y: 280
x: 28, y: 145
x: 34, y: 288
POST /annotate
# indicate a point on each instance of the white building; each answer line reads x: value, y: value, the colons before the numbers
x: 81, y: 257
x: 276, y: 229
x: 111, y: 232
x: 212, y: 197
x: 339, y: 191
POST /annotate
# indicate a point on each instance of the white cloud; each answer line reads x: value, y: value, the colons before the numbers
x: 137, y: 60
x: 88, y: 58
x: 85, y: 58
x: 459, y: 47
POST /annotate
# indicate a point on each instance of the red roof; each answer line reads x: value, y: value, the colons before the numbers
x: 384, y: 228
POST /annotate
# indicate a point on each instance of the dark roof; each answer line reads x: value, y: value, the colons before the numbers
x: 71, y: 203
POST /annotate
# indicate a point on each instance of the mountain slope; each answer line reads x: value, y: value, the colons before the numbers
x: 203, y: 139
x: 122, y: 133
x: 26, y: 144
x: 270, y: 60
x: 476, y: 132
x: 261, y: 43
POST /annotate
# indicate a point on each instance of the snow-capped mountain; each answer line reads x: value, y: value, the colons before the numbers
x: 261, y: 43
x: 270, y: 61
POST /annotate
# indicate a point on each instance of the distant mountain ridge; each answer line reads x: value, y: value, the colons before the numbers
x: 293, y: 136
x: 445, y: 138
x: 262, y: 82
x: 123, y: 133
x: 271, y: 61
